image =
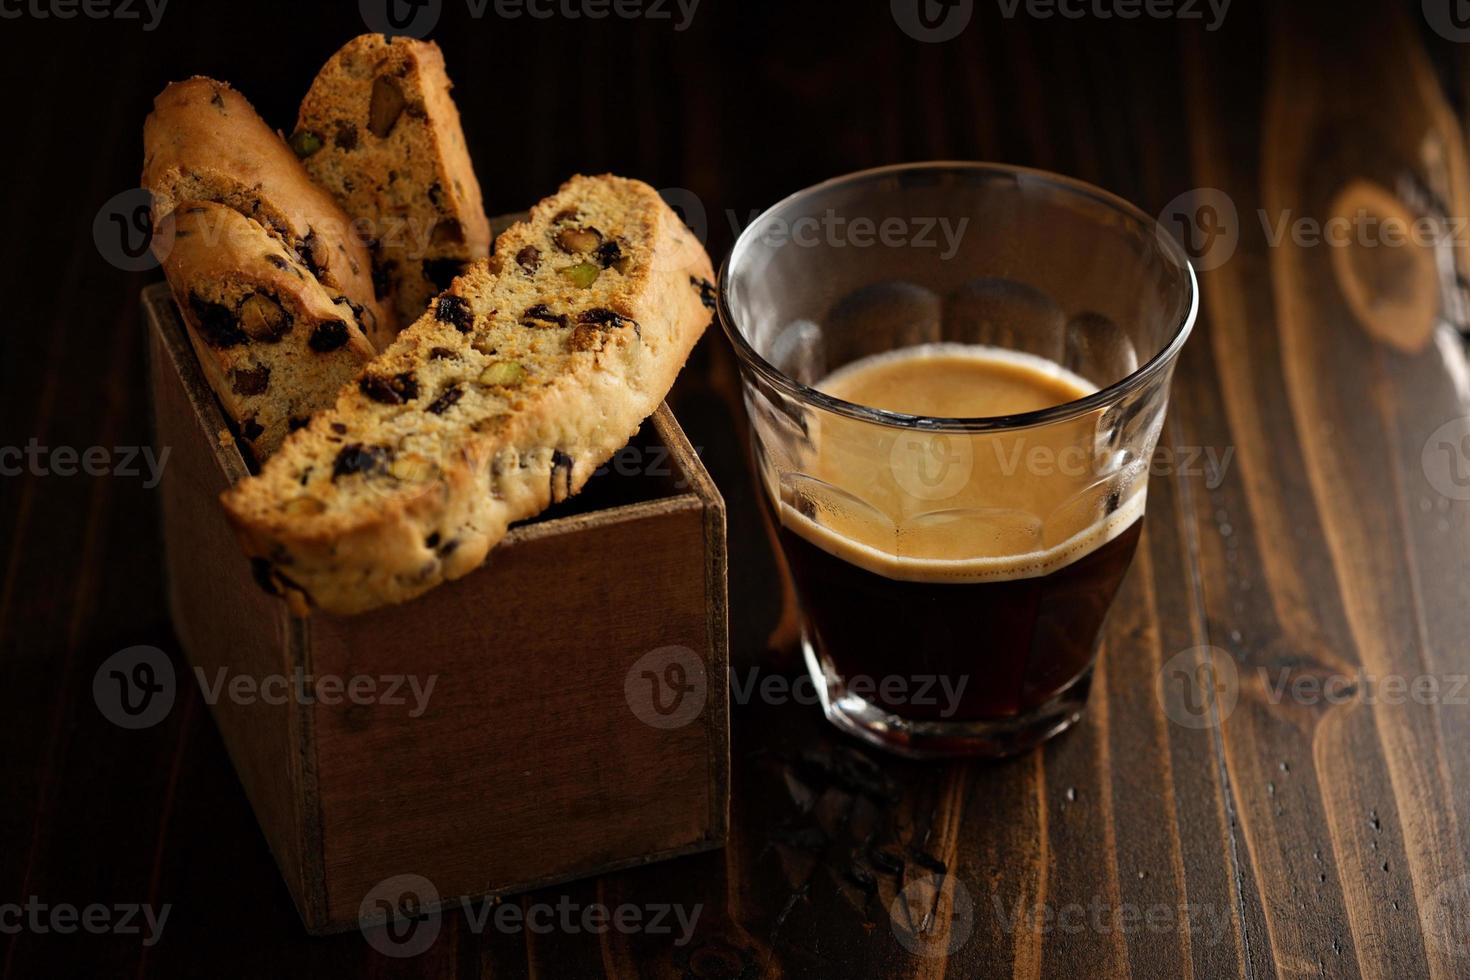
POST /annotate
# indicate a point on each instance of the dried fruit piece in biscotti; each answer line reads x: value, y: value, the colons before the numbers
x: 502, y: 399
x: 273, y: 345
x: 204, y: 142
x: 380, y: 131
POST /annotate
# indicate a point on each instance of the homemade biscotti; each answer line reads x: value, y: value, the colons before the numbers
x: 379, y: 130
x: 523, y: 378
x: 272, y: 344
x: 204, y: 142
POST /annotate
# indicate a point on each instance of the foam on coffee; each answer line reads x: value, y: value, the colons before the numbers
x: 1009, y: 505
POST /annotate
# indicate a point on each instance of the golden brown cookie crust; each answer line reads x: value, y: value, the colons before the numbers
x: 273, y: 345
x: 528, y: 374
x: 205, y: 142
x: 380, y: 131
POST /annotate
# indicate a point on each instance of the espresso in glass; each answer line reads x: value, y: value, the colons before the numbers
x: 976, y: 600
x: 952, y: 433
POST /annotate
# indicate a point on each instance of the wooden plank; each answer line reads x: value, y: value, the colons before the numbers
x: 1302, y: 548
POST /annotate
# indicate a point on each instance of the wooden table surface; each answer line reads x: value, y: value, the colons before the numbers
x: 1305, y: 823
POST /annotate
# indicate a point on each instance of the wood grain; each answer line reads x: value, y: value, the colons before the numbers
x: 1290, y: 839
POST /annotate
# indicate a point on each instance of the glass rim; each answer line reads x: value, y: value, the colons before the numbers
x: 1066, y: 411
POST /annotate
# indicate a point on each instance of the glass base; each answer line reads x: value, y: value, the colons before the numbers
x: 992, y: 739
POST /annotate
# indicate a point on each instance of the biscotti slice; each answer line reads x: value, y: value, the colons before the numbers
x: 527, y: 375
x: 204, y: 142
x: 380, y: 131
x: 273, y: 345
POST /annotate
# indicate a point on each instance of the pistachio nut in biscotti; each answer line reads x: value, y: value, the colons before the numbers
x: 380, y: 131
x: 204, y: 142
x: 522, y: 379
x: 273, y: 345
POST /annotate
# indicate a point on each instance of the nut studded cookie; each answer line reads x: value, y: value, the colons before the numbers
x: 273, y: 345
x: 380, y: 131
x: 522, y: 379
x: 204, y: 142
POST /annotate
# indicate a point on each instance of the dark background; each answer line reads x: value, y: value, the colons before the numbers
x: 753, y: 101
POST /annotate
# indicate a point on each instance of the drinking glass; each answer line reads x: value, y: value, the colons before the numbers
x: 954, y: 573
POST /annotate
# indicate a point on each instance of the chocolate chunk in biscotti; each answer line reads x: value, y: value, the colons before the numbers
x: 204, y: 142
x: 273, y: 345
x: 510, y: 391
x: 404, y: 171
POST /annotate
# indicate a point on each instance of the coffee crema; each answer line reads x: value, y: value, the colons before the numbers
x: 958, y: 507
x: 987, y: 559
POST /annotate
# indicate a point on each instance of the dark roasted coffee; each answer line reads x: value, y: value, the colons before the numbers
x: 976, y: 566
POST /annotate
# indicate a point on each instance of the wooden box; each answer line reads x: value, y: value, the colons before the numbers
x: 529, y: 764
